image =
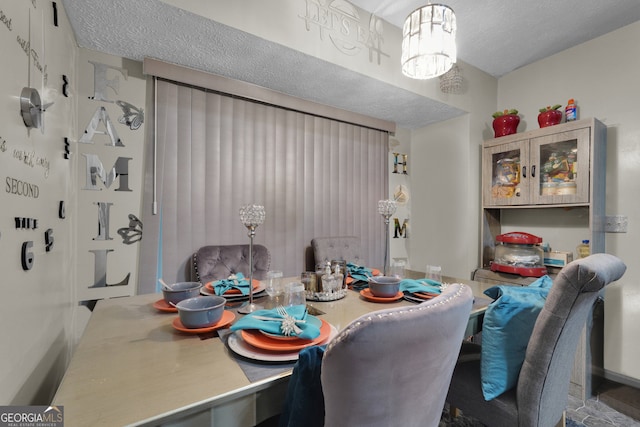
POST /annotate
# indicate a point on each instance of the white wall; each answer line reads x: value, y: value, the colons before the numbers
x: 445, y: 181
x: 443, y: 201
x: 602, y: 75
x: 37, y: 304
x: 42, y: 310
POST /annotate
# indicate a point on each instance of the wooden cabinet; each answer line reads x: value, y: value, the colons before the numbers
x: 549, y: 182
x: 556, y: 170
x: 532, y: 169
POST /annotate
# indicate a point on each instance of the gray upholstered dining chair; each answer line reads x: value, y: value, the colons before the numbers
x: 392, y: 367
x: 346, y: 248
x: 215, y: 262
x: 541, y: 394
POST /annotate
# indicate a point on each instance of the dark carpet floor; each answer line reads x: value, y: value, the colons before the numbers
x: 592, y: 413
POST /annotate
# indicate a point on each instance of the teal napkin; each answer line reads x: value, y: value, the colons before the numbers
x: 310, y: 329
x: 422, y: 285
x: 235, y: 281
x: 359, y: 273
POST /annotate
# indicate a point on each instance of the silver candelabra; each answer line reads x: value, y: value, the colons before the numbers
x: 251, y: 216
x: 386, y: 208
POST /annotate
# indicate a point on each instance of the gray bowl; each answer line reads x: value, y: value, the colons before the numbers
x: 181, y: 291
x: 202, y: 311
x: 384, y: 286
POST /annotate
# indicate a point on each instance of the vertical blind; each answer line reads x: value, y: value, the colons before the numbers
x: 214, y: 153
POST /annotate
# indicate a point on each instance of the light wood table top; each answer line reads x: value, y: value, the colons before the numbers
x: 131, y: 366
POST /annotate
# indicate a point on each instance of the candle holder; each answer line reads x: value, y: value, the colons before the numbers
x: 386, y: 208
x: 251, y: 216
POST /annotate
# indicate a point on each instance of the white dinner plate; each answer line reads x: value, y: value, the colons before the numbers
x: 239, y: 346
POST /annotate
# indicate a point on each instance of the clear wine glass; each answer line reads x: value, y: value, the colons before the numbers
x: 274, y: 286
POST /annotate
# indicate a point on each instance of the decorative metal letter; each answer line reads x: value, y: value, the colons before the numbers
x: 400, y: 231
x: 100, y: 81
x: 396, y: 162
x: 27, y: 256
x: 92, y: 128
x: 95, y: 172
x: 67, y: 151
x: 65, y: 85
x: 100, y: 272
x: 48, y: 239
x: 103, y: 221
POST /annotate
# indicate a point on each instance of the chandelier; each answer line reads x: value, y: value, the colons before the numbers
x: 429, y: 42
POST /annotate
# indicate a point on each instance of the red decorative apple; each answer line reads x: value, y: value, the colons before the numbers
x: 549, y: 116
x: 505, y: 122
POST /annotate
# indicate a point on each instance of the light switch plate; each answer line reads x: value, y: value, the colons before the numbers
x: 616, y: 224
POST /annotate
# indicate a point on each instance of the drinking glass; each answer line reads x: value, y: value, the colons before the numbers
x: 295, y: 294
x: 396, y: 269
x: 274, y: 285
x: 434, y: 272
x: 309, y: 280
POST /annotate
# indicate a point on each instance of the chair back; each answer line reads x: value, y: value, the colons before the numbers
x: 346, y: 248
x: 543, y: 383
x: 216, y: 262
x: 393, y: 366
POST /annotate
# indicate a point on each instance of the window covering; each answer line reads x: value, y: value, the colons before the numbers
x: 214, y: 153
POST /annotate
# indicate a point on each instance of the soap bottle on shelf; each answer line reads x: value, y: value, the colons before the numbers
x: 571, y: 111
x: 583, y: 249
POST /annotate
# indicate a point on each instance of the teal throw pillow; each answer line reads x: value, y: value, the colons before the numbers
x: 506, y: 329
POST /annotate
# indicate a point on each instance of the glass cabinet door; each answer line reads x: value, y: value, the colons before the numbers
x: 560, y: 168
x: 505, y: 174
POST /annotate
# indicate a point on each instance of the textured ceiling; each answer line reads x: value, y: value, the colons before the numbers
x: 495, y: 36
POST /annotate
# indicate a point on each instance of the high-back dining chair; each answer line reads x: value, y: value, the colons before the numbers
x: 346, y: 248
x: 392, y: 367
x: 216, y: 262
x: 541, y: 394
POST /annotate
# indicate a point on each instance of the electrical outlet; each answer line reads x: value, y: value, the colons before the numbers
x: 616, y: 224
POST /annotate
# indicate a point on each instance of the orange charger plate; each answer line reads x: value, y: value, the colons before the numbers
x: 261, y: 341
x: 162, y: 305
x: 366, y: 294
x: 425, y: 295
x: 374, y: 272
x: 226, y: 319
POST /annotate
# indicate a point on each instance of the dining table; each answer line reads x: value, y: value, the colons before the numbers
x: 134, y: 367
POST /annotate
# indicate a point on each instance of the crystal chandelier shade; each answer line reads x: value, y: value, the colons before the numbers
x: 429, y: 42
